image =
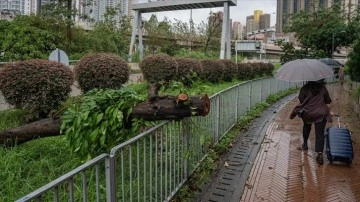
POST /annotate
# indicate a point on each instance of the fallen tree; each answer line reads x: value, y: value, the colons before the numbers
x: 157, y: 107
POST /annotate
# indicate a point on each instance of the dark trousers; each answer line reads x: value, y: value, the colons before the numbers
x: 319, y: 134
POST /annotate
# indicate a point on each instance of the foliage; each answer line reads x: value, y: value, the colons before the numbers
x: 37, y: 85
x: 117, y: 32
x: 213, y: 70
x: 315, y: 30
x: 12, y: 118
x: 210, y: 32
x: 255, y: 68
x: 354, y: 62
x: 157, y: 68
x: 245, y: 71
x: 269, y: 69
x: 197, y: 54
x: 160, y: 36
x: 101, y: 70
x: 230, y: 69
x: 184, y: 31
x: 34, y: 38
x: 98, y: 121
x: 186, y: 73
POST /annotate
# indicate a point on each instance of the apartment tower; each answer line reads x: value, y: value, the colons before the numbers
x: 286, y: 7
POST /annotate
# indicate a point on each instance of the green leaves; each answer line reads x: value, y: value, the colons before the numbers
x: 96, y: 123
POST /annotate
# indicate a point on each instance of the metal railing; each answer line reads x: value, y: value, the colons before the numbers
x: 154, y: 165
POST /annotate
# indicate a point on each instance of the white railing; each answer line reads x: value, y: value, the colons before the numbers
x: 154, y: 165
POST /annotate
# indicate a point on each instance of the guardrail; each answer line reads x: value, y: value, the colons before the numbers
x: 155, y: 164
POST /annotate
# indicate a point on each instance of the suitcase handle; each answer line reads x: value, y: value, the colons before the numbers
x: 338, y: 119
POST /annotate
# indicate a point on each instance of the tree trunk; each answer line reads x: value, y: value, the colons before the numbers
x: 38, y: 129
x: 168, y: 107
x: 156, y: 108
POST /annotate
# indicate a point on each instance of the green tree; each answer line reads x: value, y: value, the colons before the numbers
x: 354, y: 61
x: 34, y: 38
x: 210, y: 32
x: 320, y: 30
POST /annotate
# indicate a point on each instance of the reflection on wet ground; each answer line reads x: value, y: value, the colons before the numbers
x: 283, y: 173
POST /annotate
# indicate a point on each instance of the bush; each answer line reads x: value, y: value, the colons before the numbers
x: 263, y: 68
x: 157, y: 68
x: 186, y: 72
x: 269, y: 70
x: 101, y: 71
x: 213, y: 70
x: 36, y: 85
x: 245, y: 71
x: 255, y: 68
x: 229, y: 70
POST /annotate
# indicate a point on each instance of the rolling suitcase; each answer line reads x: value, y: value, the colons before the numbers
x: 338, y: 144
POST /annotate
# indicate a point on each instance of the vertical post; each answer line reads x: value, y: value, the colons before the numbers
x: 228, y: 35
x: 140, y: 28
x: 236, y: 53
x: 186, y: 145
x: 110, y: 179
x: 217, y: 119
x: 223, y: 31
x: 133, y: 34
x: 332, y: 46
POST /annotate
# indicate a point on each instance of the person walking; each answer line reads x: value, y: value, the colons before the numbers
x: 315, y: 101
x: 341, y: 74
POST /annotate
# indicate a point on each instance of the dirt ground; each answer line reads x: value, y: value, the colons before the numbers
x: 283, y: 173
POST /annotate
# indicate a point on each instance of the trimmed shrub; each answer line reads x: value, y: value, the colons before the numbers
x: 213, y: 70
x: 101, y: 71
x: 157, y: 68
x: 269, y: 70
x: 255, y: 68
x: 36, y: 85
x: 186, y: 73
x: 263, y: 68
x: 245, y: 71
x: 229, y: 70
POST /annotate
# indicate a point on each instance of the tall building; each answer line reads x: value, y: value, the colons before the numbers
x: 257, y: 14
x: 286, y: 7
x: 264, y: 22
x: 250, y: 22
x: 95, y: 11
x: 237, y: 29
x: 258, y: 21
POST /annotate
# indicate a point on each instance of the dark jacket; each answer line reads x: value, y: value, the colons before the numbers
x: 316, y: 97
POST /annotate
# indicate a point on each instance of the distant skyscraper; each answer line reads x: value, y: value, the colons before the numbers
x: 264, y: 22
x: 250, y: 23
x: 286, y: 7
x: 237, y: 30
x: 257, y: 14
x: 257, y: 21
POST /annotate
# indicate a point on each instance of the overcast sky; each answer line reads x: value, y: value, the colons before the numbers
x: 237, y: 13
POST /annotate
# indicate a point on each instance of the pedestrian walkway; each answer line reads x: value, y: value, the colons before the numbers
x: 280, y: 172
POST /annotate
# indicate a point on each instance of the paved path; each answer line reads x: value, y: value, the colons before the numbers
x: 280, y: 172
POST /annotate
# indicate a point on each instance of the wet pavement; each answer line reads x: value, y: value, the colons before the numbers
x: 280, y: 172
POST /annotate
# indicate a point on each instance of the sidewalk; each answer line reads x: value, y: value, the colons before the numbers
x: 265, y: 165
x: 283, y: 173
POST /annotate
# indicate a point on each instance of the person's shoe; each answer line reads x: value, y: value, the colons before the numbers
x: 303, y: 147
x: 319, y: 159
